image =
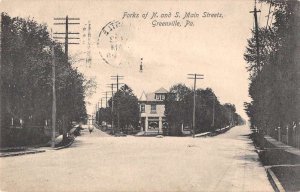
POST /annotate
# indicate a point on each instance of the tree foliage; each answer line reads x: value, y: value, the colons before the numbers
x: 26, y: 76
x: 274, y: 86
x: 125, y: 110
x: 179, y: 110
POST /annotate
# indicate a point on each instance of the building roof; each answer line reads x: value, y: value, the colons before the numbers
x: 143, y: 97
x: 151, y: 96
x: 161, y: 90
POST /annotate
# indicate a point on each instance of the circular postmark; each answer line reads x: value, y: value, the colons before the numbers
x: 111, y: 43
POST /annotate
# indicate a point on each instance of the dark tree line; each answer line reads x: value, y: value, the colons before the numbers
x: 26, y: 78
x: 210, y: 114
x: 125, y: 113
x: 275, y: 82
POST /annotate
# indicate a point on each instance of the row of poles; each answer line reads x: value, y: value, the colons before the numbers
x: 66, y: 21
x: 112, y: 86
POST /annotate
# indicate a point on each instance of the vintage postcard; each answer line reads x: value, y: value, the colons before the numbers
x: 158, y: 95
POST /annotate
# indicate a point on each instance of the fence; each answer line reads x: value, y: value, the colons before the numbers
x: 289, y: 135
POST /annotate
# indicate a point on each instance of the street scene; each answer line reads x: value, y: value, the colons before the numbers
x: 99, y: 162
x: 150, y: 95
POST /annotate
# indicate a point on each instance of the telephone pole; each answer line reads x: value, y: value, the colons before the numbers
x: 105, y: 94
x: 98, y: 111
x: 54, y: 97
x: 66, y: 21
x: 194, y: 77
x: 255, y: 11
x: 213, y: 119
x: 117, y: 77
x: 67, y: 33
x: 0, y: 71
x: 112, y: 106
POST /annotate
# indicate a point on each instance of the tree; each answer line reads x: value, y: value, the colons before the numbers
x: 179, y: 105
x: 273, y: 87
x: 26, y: 77
x: 126, y: 108
x: 176, y: 106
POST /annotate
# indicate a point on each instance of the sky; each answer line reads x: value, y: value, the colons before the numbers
x: 213, y: 47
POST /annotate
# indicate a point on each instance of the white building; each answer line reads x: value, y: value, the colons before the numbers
x: 152, y: 111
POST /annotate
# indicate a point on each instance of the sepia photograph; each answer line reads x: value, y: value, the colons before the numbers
x: 150, y: 95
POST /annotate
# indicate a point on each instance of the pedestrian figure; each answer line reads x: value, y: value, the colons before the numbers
x: 91, y: 129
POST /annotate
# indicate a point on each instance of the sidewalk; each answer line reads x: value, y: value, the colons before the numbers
x: 282, y: 163
x: 282, y: 146
x: 16, y: 151
x: 20, y: 152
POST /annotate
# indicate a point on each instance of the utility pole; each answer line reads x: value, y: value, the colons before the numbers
x: 255, y: 11
x: 105, y: 101
x: 112, y: 106
x: 54, y: 98
x: 98, y: 119
x: 0, y: 72
x: 67, y: 33
x: 194, y: 77
x: 213, y: 119
x: 99, y: 110
x: 105, y: 93
x: 67, y: 43
x: 117, y: 77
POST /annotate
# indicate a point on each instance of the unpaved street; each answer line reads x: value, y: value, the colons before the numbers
x: 97, y: 162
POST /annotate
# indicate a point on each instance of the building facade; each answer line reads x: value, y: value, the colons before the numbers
x: 152, y: 111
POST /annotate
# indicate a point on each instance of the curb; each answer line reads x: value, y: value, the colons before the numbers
x: 213, y: 133
x: 274, y: 181
x: 65, y: 146
x: 21, y: 153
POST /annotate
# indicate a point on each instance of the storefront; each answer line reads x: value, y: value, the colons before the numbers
x: 153, y: 123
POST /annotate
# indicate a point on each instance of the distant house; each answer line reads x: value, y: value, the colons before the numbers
x: 152, y: 111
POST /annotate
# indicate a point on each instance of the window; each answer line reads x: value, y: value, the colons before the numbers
x: 160, y: 97
x: 157, y: 96
x: 153, y: 123
x: 142, y: 108
x: 153, y: 108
